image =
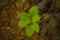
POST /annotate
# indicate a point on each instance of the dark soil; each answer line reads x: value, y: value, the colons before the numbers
x: 49, y: 23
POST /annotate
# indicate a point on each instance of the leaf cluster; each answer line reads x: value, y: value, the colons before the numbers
x: 30, y: 20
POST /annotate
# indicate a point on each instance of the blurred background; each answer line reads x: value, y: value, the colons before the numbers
x: 49, y: 10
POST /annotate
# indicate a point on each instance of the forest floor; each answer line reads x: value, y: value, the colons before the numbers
x: 49, y: 23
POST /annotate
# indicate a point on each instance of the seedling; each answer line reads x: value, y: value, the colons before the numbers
x: 30, y: 20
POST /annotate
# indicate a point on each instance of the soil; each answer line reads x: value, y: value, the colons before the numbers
x: 49, y: 23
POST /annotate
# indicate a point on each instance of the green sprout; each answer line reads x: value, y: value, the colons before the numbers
x: 30, y: 20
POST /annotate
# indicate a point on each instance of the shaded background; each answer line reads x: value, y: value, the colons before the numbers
x: 49, y: 10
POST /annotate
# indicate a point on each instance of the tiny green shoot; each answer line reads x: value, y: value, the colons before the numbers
x: 30, y: 20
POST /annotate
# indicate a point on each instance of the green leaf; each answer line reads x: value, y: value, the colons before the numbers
x: 24, y: 19
x: 35, y: 27
x: 36, y: 18
x: 31, y: 28
x: 24, y: 16
x: 33, y: 11
x: 29, y: 31
x: 22, y: 23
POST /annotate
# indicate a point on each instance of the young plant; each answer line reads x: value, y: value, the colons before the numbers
x: 30, y: 20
